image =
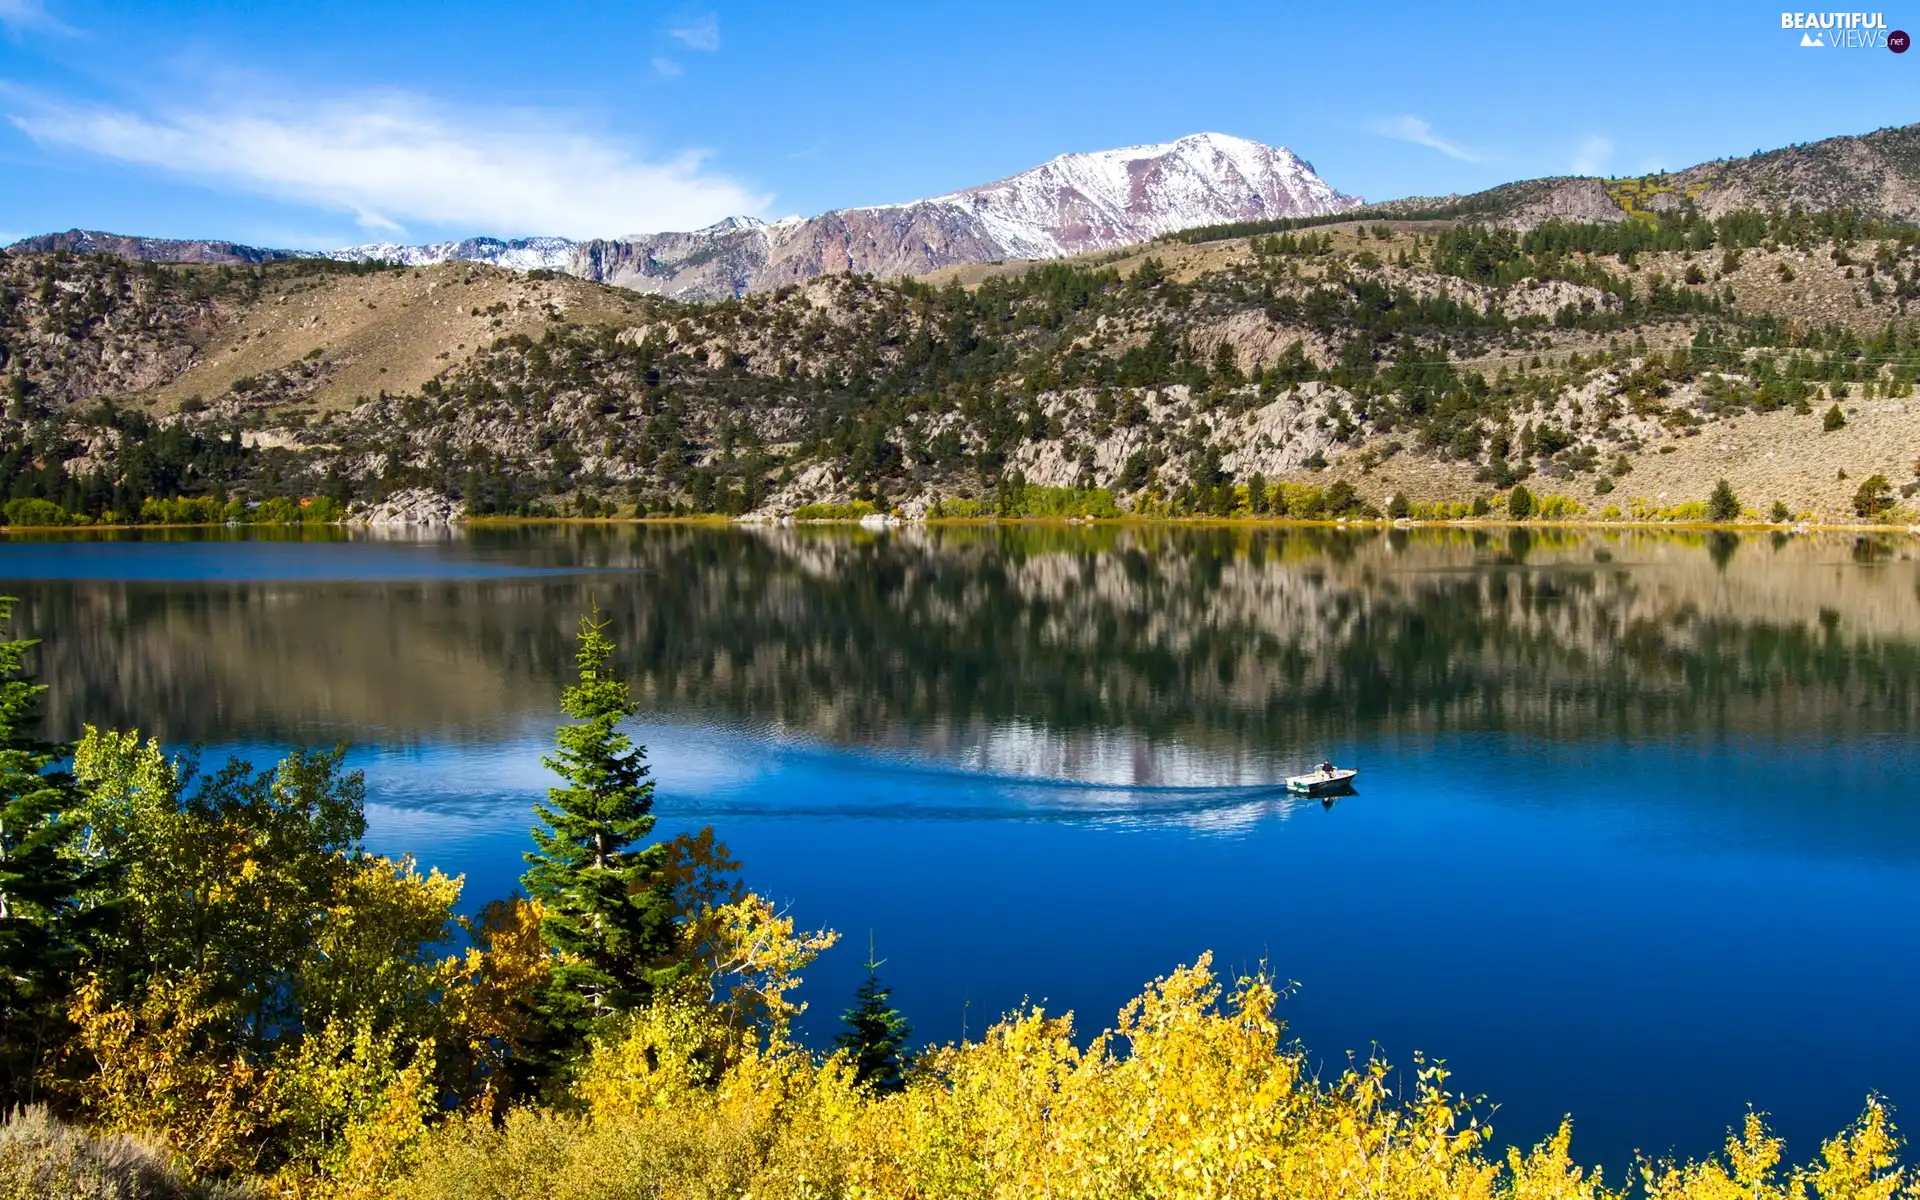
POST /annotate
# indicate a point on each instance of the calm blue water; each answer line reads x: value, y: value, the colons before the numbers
x: 1636, y: 838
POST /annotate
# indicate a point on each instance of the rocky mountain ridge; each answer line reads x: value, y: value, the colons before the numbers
x: 1874, y: 174
x: 1084, y: 202
x: 1071, y: 204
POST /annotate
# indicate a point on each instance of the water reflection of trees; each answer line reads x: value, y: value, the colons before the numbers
x: 1216, y: 636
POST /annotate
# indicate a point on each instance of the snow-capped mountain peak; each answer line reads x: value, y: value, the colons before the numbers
x: 1067, y: 205
x: 1090, y: 201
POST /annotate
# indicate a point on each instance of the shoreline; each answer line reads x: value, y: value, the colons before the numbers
x: 716, y: 520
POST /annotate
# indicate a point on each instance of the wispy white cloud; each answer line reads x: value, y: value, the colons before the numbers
x: 700, y: 33
x: 390, y: 158
x: 17, y: 16
x: 1408, y: 128
x: 666, y: 68
x: 1591, y: 155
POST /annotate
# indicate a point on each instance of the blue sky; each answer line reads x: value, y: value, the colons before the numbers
x: 316, y: 125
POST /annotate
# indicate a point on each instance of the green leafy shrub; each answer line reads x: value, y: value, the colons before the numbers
x: 183, y: 510
x: 277, y: 511
x: 31, y: 512
x: 1444, y: 510
x: 835, y: 512
x: 965, y: 509
x: 322, y: 510
x: 1519, y: 502
x: 1555, y: 507
x: 1033, y: 500
x: 1835, y: 419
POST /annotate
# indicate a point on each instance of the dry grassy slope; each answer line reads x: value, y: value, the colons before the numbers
x: 1183, y: 261
x: 1765, y: 457
x: 391, y: 331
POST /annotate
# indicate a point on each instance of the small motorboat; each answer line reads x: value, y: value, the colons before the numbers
x: 1324, y: 780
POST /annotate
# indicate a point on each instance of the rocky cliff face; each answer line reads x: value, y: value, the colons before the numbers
x: 1877, y: 174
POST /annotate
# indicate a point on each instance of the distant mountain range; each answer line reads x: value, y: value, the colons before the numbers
x: 1246, y: 362
x: 1069, y: 205
x: 1086, y: 202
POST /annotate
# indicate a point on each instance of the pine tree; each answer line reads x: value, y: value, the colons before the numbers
x: 41, y: 882
x: 608, y: 913
x: 1723, y: 505
x: 876, y: 1033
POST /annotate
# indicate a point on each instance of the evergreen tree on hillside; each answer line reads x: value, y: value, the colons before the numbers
x: 876, y: 1033
x: 41, y: 882
x: 608, y: 913
x: 1723, y: 505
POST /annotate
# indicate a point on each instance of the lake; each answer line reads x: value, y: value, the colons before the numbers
x: 1637, y: 836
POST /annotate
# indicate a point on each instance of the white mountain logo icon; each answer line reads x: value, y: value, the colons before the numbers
x: 1811, y: 39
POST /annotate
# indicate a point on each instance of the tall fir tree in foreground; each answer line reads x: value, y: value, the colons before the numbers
x: 41, y: 880
x: 876, y: 1033
x: 608, y: 912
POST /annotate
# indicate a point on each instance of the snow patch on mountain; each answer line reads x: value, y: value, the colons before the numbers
x: 1080, y: 202
x: 517, y: 254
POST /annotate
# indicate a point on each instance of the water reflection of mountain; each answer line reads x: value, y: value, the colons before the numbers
x: 722, y: 776
x: 1061, y: 652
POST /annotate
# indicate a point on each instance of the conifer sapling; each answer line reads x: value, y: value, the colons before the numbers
x: 876, y: 1033
x: 608, y: 910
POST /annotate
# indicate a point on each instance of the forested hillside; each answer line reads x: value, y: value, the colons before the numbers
x: 1404, y: 367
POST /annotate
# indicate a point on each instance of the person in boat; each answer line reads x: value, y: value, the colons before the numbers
x: 1326, y: 768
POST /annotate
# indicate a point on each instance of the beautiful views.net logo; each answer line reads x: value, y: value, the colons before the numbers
x: 1845, y: 30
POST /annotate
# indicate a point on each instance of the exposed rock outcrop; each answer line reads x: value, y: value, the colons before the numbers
x: 413, y: 507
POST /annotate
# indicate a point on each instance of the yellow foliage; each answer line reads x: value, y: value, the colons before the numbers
x: 756, y: 959
x: 368, y: 942
x: 1692, y: 511
x: 1861, y: 1164
x: 155, y: 1070
x: 1187, y: 1097
x: 1192, y: 1096
x: 492, y: 1005
x: 345, y: 1098
x: 1555, y: 507
x: 356, y: 1102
